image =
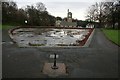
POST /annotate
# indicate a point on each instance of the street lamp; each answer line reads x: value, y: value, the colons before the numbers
x: 26, y: 21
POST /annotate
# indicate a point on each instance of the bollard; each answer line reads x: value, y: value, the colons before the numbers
x: 54, y: 64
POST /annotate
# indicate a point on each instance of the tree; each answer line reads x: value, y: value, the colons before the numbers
x: 9, y: 10
x: 58, y: 18
x: 91, y: 14
x: 21, y: 16
x: 111, y: 13
x: 40, y: 7
x: 116, y: 14
x: 106, y: 13
x: 36, y: 15
x: 39, y: 16
x: 95, y: 13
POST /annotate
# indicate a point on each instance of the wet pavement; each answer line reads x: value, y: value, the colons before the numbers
x: 99, y: 60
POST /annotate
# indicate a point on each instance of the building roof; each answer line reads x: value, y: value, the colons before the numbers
x: 65, y: 23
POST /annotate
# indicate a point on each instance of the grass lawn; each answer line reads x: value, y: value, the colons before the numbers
x: 112, y: 35
x: 5, y: 27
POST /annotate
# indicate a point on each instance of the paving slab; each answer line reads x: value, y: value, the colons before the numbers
x: 47, y: 69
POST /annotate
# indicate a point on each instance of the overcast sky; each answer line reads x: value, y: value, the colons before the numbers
x: 59, y: 7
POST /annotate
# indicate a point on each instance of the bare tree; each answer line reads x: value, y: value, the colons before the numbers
x: 40, y: 6
x: 105, y: 13
x: 91, y: 13
x: 97, y: 13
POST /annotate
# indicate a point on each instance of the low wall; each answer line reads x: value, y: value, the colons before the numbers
x: 89, y: 39
x: 18, y: 27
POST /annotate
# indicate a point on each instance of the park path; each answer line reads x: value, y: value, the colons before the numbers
x: 99, y: 60
x: 100, y: 41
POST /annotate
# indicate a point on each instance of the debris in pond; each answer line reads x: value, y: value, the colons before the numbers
x: 49, y: 37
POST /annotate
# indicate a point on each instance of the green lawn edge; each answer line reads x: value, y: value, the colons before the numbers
x: 112, y: 35
x: 6, y: 27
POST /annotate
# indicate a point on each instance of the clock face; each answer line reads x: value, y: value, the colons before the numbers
x: 69, y: 15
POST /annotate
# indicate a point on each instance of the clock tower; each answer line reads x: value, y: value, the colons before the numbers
x: 69, y: 16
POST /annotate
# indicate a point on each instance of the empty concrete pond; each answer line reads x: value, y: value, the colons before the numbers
x: 33, y: 37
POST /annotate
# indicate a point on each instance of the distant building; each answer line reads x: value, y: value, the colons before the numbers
x: 89, y: 25
x: 58, y: 23
x: 69, y: 16
x: 68, y: 23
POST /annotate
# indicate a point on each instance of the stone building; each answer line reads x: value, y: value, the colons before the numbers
x: 68, y: 23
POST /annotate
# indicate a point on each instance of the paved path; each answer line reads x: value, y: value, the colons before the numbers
x: 99, y: 60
